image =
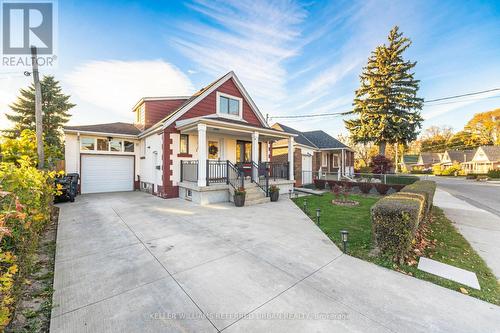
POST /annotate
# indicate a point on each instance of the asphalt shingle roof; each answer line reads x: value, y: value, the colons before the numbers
x: 315, y: 139
x: 492, y: 152
x: 430, y: 158
x: 116, y: 128
x: 323, y: 140
x: 461, y: 155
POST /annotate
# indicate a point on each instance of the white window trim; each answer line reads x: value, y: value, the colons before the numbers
x: 324, y: 159
x: 225, y: 115
x: 109, y: 146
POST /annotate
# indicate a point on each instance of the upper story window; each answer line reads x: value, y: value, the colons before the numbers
x: 228, y: 105
x: 139, y: 114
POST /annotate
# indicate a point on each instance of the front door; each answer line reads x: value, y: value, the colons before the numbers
x: 244, y: 157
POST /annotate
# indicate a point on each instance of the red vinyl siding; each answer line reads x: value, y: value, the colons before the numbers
x: 208, y: 104
x: 157, y: 110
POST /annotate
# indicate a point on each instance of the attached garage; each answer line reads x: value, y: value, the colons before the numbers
x: 106, y: 173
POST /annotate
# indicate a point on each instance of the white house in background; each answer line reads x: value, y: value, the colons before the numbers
x: 316, y: 155
x: 198, y: 147
x: 486, y: 158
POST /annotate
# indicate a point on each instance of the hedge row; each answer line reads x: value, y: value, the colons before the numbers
x: 396, y: 218
x: 364, y: 187
x: 26, y: 196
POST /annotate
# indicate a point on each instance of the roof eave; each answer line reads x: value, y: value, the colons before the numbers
x: 73, y: 131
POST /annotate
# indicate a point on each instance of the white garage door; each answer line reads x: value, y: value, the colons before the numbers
x: 306, y: 169
x: 106, y: 173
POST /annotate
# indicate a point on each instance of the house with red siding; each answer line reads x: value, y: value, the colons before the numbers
x: 200, y: 147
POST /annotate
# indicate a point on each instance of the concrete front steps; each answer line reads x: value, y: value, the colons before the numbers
x: 254, y: 195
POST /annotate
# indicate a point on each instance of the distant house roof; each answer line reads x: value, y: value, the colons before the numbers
x: 323, y: 140
x: 492, y: 152
x: 461, y: 155
x: 111, y: 128
x: 315, y: 139
x: 410, y: 159
x: 429, y: 158
x: 300, y: 138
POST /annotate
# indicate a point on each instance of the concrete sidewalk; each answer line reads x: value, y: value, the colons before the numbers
x: 479, y: 227
x: 131, y: 262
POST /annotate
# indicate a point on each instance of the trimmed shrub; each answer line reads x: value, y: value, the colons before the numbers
x: 494, y: 173
x: 365, y: 187
x: 395, y: 220
x: 320, y: 183
x: 382, y: 188
x: 425, y: 187
x: 403, y: 180
x: 397, y: 187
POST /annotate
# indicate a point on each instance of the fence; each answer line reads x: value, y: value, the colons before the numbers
x: 308, y: 177
x: 189, y: 171
x: 216, y: 172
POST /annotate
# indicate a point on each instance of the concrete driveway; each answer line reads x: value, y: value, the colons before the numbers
x: 130, y: 262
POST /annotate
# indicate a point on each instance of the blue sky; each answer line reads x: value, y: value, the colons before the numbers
x: 293, y: 57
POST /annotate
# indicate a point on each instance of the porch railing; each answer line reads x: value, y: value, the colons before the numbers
x: 216, y: 172
x: 278, y: 170
x: 189, y: 171
x: 225, y: 172
x: 235, y: 176
x: 260, y: 176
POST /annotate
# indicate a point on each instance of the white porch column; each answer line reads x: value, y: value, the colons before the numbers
x: 255, y: 153
x: 290, y: 158
x: 202, y: 155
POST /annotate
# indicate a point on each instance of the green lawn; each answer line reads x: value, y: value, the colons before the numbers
x: 450, y: 247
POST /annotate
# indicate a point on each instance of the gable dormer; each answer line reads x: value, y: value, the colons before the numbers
x: 150, y: 110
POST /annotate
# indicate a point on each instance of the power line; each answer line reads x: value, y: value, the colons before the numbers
x: 425, y: 101
x: 463, y: 95
x: 311, y: 115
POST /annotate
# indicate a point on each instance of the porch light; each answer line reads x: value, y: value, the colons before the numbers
x: 318, y: 213
x: 343, y: 236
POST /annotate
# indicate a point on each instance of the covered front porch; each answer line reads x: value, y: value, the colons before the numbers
x: 336, y: 163
x: 227, y: 154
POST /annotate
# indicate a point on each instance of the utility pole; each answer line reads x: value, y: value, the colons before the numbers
x: 38, y: 109
x: 397, y: 159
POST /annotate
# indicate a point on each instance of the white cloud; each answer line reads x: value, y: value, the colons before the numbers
x: 253, y: 38
x: 115, y: 86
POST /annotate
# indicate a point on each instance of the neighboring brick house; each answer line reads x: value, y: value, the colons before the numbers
x: 316, y: 154
x: 159, y: 152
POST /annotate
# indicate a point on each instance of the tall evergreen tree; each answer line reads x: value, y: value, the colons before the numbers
x: 55, y: 107
x: 386, y: 106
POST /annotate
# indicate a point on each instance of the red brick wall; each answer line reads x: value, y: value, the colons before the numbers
x: 168, y: 190
x: 316, y: 162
